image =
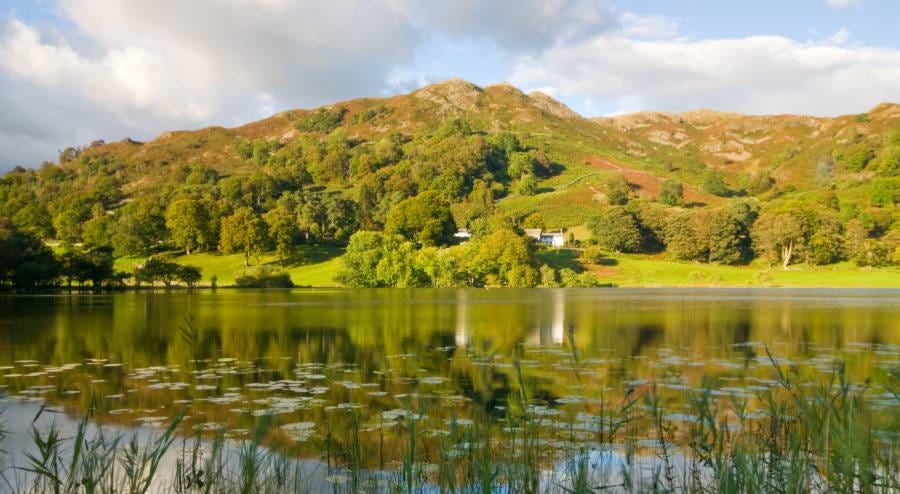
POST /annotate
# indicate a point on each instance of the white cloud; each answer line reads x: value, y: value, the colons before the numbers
x: 759, y: 74
x: 516, y: 25
x: 648, y: 26
x: 117, y: 68
x: 845, y: 4
x: 841, y: 37
x: 138, y: 68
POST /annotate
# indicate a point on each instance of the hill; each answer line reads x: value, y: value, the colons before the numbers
x: 316, y: 176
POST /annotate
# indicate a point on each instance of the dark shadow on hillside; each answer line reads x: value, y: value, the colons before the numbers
x: 561, y: 259
x: 556, y: 168
x: 313, y: 255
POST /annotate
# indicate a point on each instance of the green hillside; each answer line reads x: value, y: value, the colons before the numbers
x: 701, y: 187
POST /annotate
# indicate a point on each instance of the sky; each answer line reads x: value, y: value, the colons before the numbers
x: 73, y: 71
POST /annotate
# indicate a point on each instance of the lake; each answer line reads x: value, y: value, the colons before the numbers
x: 333, y: 372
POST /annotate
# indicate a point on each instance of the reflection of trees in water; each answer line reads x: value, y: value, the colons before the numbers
x: 646, y: 335
x: 395, y: 338
x: 141, y: 328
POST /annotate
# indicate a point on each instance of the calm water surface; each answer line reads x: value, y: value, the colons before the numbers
x: 308, y: 358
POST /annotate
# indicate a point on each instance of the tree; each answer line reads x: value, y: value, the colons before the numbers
x: 534, y: 220
x: 671, y: 192
x: 189, y: 275
x: 25, y: 261
x: 714, y: 183
x: 885, y: 192
x: 375, y: 259
x: 155, y: 269
x: 397, y: 266
x: 100, y: 265
x: 826, y: 241
x: 243, y: 232
x: 776, y: 236
x: 570, y: 279
x: 854, y: 158
x: 687, y: 236
x: 442, y: 267
x: 139, y: 227
x: 617, y: 230
x: 188, y: 223
x: 652, y: 219
x: 424, y: 219
x: 617, y: 189
x: 549, y: 277
x: 729, y: 233
x: 361, y: 260
x: 342, y: 219
x: 502, y: 258
x: 855, y: 236
x: 283, y: 230
x: 527, y: 185
x: 873, y: 253
x: 888, y: 161
x: 67, y: 224
x: 96, y: 231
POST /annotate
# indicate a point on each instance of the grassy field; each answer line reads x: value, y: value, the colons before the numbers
x: 319, y: 267
x: 312, y: 266
x: 647, y: 271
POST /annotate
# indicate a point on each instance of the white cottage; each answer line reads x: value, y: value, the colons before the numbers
x: 553, y: 238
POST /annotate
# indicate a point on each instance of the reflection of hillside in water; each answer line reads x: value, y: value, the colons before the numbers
x: 313, y: 356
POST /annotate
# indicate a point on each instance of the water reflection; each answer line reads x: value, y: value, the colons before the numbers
x: 311, y: 356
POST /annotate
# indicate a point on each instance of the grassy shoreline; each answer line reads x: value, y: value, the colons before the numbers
x: 646, y: 271
x: 319, y: 267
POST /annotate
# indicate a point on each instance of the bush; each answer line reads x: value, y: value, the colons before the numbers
x: 714, y: 183
x: 873, y: 253
x: 571, y: 279
x: 527, y: 185
x: 264, y: 277
x: 884, y: 192
x: 671, y: 193
x: 592, y: 255
x: 854, y: 158
x: 323, y: 120
x: 548, y: 277
x: 888, y: 161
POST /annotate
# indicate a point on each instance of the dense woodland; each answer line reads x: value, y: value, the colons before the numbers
x: 395, y: 198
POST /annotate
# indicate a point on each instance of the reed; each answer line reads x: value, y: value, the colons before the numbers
x: 808, y: 436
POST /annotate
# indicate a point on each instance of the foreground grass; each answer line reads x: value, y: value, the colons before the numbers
x: 311, y: 266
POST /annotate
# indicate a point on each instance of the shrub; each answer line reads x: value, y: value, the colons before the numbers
x: 571, y: 279
x: 671, y: 193
x: 714, y: 183
x: 264, y: 277
x: 592, y: 255
x: 322, y: 120
x: 527, y: 185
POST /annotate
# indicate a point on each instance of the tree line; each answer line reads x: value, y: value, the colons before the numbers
x: 324, y: 186
x: 783, y: 233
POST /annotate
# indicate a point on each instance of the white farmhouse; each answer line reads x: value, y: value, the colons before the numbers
x: 555, y: 238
